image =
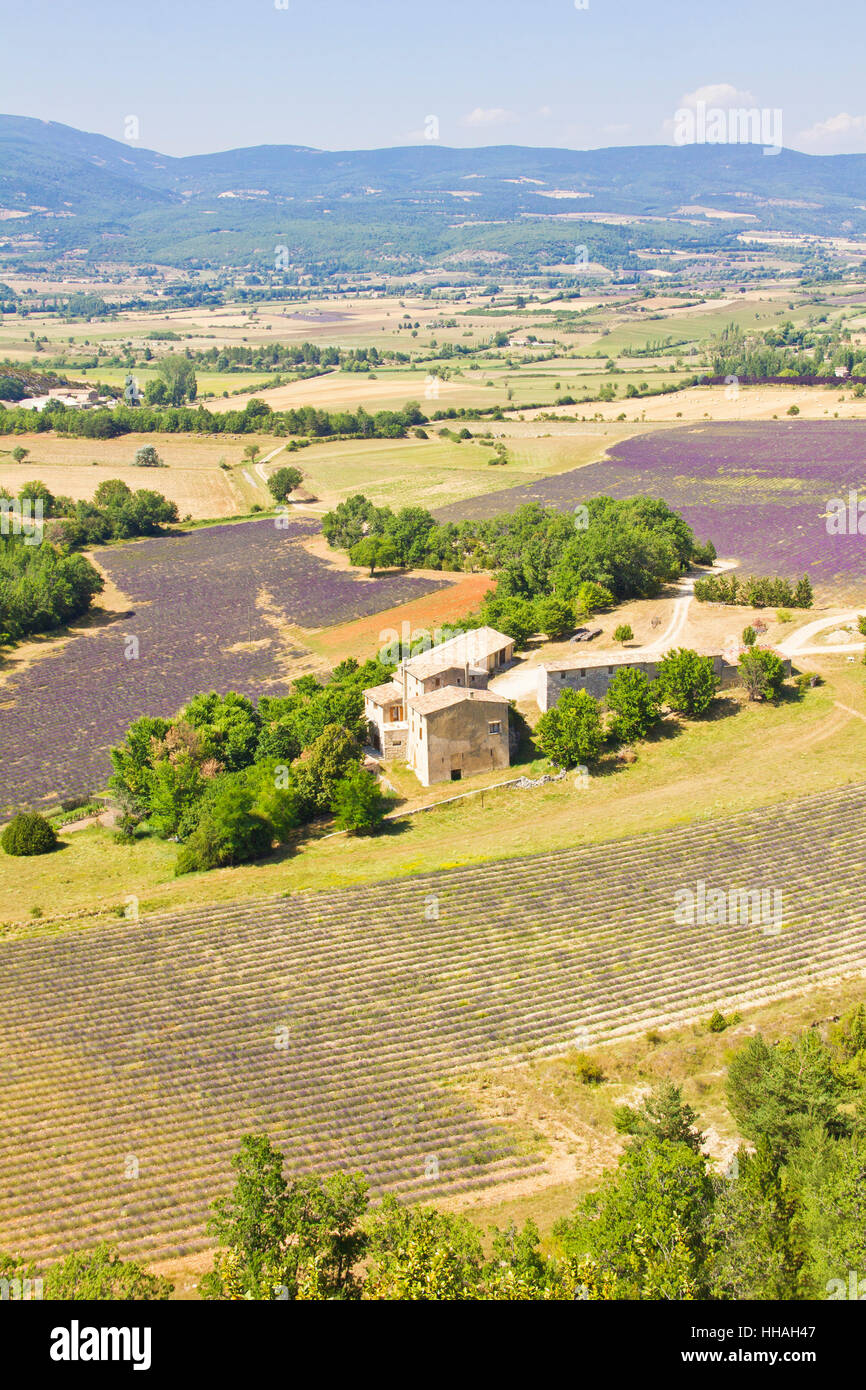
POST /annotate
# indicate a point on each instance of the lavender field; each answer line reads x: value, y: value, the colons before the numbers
x: 194, y: 614
x: 758, y: 490
x: 137, y: 1055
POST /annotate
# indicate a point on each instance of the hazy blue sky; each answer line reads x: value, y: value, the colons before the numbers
x: 204, y: 75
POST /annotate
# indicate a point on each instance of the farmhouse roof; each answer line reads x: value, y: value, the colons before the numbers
x: 453, y: 695
x: 387, y: 694
x: 631, y: 656
x: 470, y: 648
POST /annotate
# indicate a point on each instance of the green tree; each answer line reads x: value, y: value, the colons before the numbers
x: 758, y: 1249
x: 19, y: 453
x: 623, y: 633
x: 278, y: 1236
x: 647, y: 1228
x: 555, y: 617
x: 749, y: 637
x: 663, y: 1114
x: 686, y: 682
x: 779, y: 1092
x: 178, y: 376
x: 228, y: 829
x: 322, y: 766
x: 762, y: 673
x: 283, y: 482
x: 358, y: 804
x: 28, y: 833
x: 635, y: 704
x: 147, y: 457
x: 570, y: 734
x: 373, y: 552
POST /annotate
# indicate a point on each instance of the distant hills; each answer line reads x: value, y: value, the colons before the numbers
x: 412, y: 205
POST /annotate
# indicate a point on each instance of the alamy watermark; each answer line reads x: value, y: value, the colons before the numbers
x: 702, y: 124
x: 22, y: 517
x: 706, y: 906
x: 846, y: 518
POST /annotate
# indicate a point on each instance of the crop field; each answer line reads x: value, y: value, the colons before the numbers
x: 209, y: 610
x: 343, y: 1022
x: 759, y: 491
x: 192, y: 477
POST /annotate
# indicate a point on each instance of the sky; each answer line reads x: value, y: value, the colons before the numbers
x: 206, y: 75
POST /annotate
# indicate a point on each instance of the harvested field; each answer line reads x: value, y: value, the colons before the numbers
x: 137, y: 1055
x: 759, y: 491
x: 210, y: 610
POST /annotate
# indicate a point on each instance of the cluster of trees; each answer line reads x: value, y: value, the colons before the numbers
x: 41, y: 588
x: 784, y: 1222
x: 757, y: 591
x: 116, y: 513
x: 609, y: 550
x: 794, y: 351
x: 280, y: 356
x: 256, y: 415
x: 575, y: 731
x: 98, y: 1274
x: 228, y: 779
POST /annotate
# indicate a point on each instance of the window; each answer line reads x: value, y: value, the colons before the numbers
x: 495, y: 727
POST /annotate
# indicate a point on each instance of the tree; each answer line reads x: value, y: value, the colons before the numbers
x: 686, y: 682
x: 283, y: 482
x: 779, y: 1092
x: 419, y: 1253
x: 593, y: 598
x: 28, y: 834
x: 178, y: 376
x: 358, y: 804
x: 758, y: 1247
x: 555, y: 617
x: 570, y: 734
x: 322, y: 766
x: 634, y: 702
x: 762, y: 673
x: 37, y: 492
x: 286, y: 1239
x: 749, y: 636
x: 623, y: 633
x: 375, y: 552
x: 228, y: 831
x: 648, y: 1225
x: 251, y: 452
x: 102, y: 1274
x: 147, y: 457
x: 663, y: 1114
x: 512, y: 615
x: 113, y: 492
x: 19, y: 453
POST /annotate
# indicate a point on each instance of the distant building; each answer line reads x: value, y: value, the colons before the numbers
x: 437, y: 713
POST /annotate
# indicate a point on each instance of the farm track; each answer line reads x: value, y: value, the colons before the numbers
x: 156, y: 1044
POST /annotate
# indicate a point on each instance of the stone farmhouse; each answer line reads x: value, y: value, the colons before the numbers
x: 437, y: 713
x: 594, y: 673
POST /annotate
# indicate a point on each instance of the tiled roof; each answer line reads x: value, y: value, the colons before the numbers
x: 453, y: 695
x: 471, y: 647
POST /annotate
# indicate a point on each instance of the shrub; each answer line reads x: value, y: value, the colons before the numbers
x: 749, y: 637
x: 147, y: 457
x: 588, y: 1070
x: 623, y: 633
x: 28, y: 833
